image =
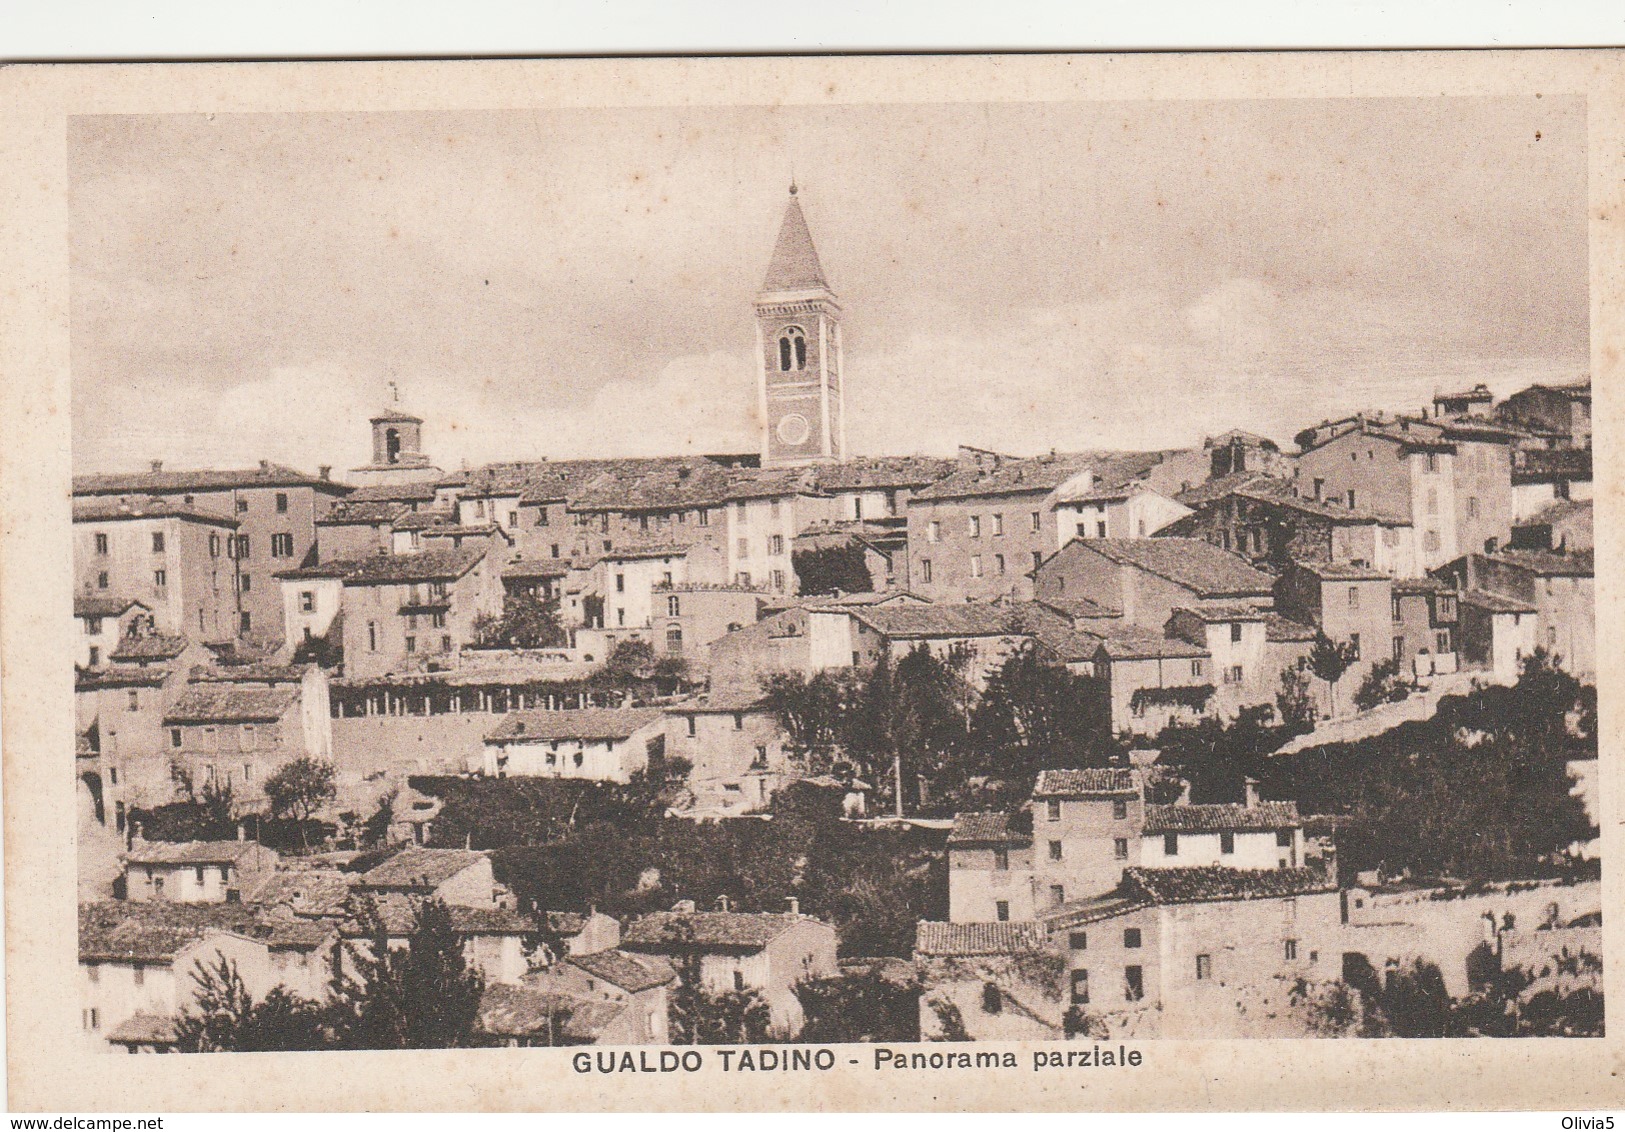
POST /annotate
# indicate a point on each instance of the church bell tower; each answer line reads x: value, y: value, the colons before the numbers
x: 801, y: 390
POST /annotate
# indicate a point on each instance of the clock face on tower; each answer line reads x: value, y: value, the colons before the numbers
x: 793, y: 429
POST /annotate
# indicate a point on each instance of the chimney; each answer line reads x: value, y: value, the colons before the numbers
x: 722, y: 904
x: 325, y: 471
x: 242, y: 831
x: 1184, y: 792
x: 157, y: 465
x: 265, y: 465
x: 1251, y: 786
x: 795, y: 905
x: 683, y: 907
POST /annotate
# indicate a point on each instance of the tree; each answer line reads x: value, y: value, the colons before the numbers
x: 528, y: 621
x: 1294, y: 702
x: 421, y: 996
x: 832, y: 569
x: 223, y: 1017
x: 727, y: 1019
x: 1380, y: 686
x: 299, y: 788
x: 1033, y: 715
x: 1329, y: 660
x: 861, y: 1007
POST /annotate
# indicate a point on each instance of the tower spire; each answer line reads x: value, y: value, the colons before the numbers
x: 794, y: 266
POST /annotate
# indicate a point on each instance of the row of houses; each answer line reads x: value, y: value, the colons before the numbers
x: 550, y: 978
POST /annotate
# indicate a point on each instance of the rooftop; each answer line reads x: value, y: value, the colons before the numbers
x: 352, y: 512
x: 1197, y: 565
x: 119, y: 676
x: 216, y: 479
x: 992, y: 829
x: 231, y: 703
x: 419, y: 566
x: 1129, y: 645
x: 1280, y: 629
x: 1221, y: 818
x: 523, y: 1010
x: 418, y: 868
x: 581, y: 723
x: 1207, y: 883
x: 1086, y: 782
x: 709, y: 931
x: 884, y: 472
x: 934, y: 939
x: 143, y: 852
x: 156, y: 646
x: 794, y: 266
x: 88, y: 605
x: 153, y: 931
x: 960, y: 619
x: 1042, y: 474
x: 1495, y: 603
x: 1547, y: 564
x: 114, y: 510
x: 630, y: 972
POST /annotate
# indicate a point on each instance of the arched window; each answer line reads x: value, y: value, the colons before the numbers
x: 392, y: 446
x: 793, y: 348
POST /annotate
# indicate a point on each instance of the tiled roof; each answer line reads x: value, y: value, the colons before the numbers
x: 716, y: 931
x: 153, y: 931
x: 582, y: 723
x: 523, y: 1010
x: 1212, y: 882
x: 420, y: 566
x: 1129, y: 645
x: 1280, y: 629
x: 97, y: 510
x: 418, y: 868
x: 417, y: 492
x: 564, y: 923
x: 632, y: 973
x: 231, y: 703
x: 1091, y: 910
x: 1041, y: 474
x: 1341, y: 571
x: 1242, y: 437
x: 258, y: 672
x: 992, y: 829
x: 397, y: 912
x: 1085, y: 782
x: 154, y: 647
x: 192, y: 852
x: 629, y: 551
x: 424, y: 520
x: 305, y: 892
x: 1413, y: 586
x: 1190, y: 562
x: 393, y: 414
x: 884, y: 472
x: 794, y: 266
x: 1221, y: 818
x: 133, y: 483
x: 1559, y: 510
x: 87, y: 605
x: 536, y: 568
x: 1534, y: 465
x: 354, y: 512
x: 723, y: 698
x: 1216, y: 612
x: 934, y: 939
x: 1495, y: 603
x: 119, y: 676
x: 1082, y: 607
x: 1546, y: 564
x: 143, y: 1029
x: 1217, y: 488
x: 960, y: 619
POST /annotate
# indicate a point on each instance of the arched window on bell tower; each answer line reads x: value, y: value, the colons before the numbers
x: 392, y: 446
x: 792, y: 348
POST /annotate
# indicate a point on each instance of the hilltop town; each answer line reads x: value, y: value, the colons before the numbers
x: 1256, y: 738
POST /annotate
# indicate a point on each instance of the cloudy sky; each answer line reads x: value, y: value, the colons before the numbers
x: 1019, y: 277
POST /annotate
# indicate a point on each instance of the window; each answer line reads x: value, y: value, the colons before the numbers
x: 739, y: 721
x: 1235, y: 632
x: 620, y: 616
x: 242, y: 507
x: 174, y: 736
x: 1080, y: 985
x: 998, y: 564
x: 1233, y: 674
x: 372, y: 636
x: 160, y: 579
x: 620, y: 583
x: 411, y: 644
x: 140, y: 971
x: 778, y: 580
x: 933, y: 532
x: 739, y: 980
x: 925, y: 569
x: 437, y: 620
x: 1001, y: 910
x: 998, y: 525
x: 1078, y: 941
x: 1291, y: 950
x: 773, y: 508
x: 282, y: 546
x: 775, y: 544
x: 1446, y: 607
x: 101, y: 580
x: 1320, y: 486
x: 643, y: 523
x: 975, y: 526
x: 1053, y: 809
x: 1170, y: 844
x: 665, y: 578
x: 1204, y: 967
x: 792, y: 348
x: 307, y: 601
x: 541, y: 516
x: 93, y: 626
x: 281, y: 503
x: 1432, y: 461
x: 674, y: 639
x: 1120, y: 848
x: 243, y: 546
x: 674, y: 606
x: 1227, y: 843
x: 1399, y: 648
x: 1055, y: 850
x: 704, y: 516
x: 1119, y: 810
x: 577, y: 758
x: 1131, y: 937
x: 157, y: 542
x: 1133, y: 984
x: 1395, y: 608
x: 135, y: 700
x: 1441, y: 638
x: 744, y: 548
x: 1057, y: 894
x: 1038, y: 559
x: 1037, y: 521
x: 95, y: 656
x: 1196, y: 667
x: 1472, y: 506
x: 1354, y: 640
x: 1283, y: 838
x: 1351, y: 499
x: 245, y: 583
x: 555, y: 550
x: 1430, y: 540
x: 101, y: 544
x: 1001, y: 859
x: 976, y: 565
x: 1354, y: 597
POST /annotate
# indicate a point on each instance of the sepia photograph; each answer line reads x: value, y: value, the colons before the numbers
x: 781, y: 584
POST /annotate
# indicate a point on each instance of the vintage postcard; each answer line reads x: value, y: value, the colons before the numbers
x: 1059, y: 582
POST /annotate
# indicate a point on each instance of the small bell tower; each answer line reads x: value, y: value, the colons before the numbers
x: 397, y: 448
x: 801, y: 392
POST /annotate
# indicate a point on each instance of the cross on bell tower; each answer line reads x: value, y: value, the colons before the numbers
x: 800, y: 391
